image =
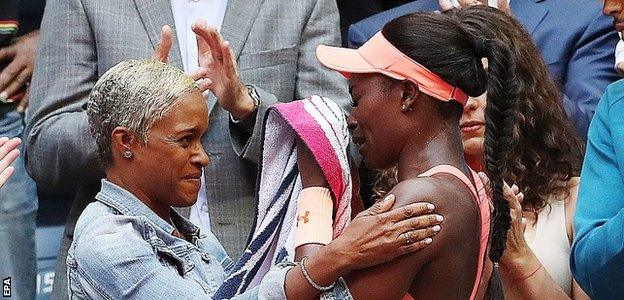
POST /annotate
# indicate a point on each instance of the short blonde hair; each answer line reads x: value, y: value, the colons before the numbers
x: 134, y: 94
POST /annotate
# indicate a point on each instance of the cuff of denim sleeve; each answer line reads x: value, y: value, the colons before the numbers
x: 340, y: 291
x: 273, y: 283
x: 314, y: 217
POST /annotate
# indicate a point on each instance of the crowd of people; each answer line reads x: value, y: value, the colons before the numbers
x: 455, y: 150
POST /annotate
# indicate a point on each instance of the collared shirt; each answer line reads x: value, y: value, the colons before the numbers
x: 185, y: 13
x: 619, y: 53
x: 122, y: 249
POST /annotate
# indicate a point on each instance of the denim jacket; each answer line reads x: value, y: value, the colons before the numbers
x: 122, y: 249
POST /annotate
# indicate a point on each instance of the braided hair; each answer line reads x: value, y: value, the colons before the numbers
x: 444, y: 45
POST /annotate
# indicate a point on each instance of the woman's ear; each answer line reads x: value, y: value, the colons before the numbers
x: 409, y: 94
x: 122, y: 140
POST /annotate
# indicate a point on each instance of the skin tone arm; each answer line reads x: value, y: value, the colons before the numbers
x: 371, y: 238
x: 522, y: 270
x: 8, y: 154
x: 324, y: 263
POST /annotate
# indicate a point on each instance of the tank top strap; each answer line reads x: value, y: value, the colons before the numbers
x: 448, y: 169
x: 480, y: 196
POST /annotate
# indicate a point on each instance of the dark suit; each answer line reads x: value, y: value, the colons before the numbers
x: 576, y: 40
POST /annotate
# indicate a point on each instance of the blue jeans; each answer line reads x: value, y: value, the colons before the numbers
x: 18, y: 208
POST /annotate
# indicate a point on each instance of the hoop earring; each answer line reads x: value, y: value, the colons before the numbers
x: 127, y: 154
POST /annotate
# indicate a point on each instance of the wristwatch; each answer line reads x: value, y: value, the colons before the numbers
x: 253, y: 93
x: 248, y: 123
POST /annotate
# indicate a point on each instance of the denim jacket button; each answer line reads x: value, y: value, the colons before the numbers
x: 205, y: 257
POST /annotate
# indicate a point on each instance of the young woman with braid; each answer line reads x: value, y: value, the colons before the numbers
x: 543, y: 160
x: 409, y: 84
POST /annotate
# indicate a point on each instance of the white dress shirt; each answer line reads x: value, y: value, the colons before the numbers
x: 185, y: 12
x: 619, y: 54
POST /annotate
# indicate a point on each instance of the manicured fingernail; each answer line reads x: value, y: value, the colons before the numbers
x: 428, y: 241
x: 436, y: 228
x: 3, y: 96
x: 430, y: 207
x: 389, y: 197
x: 439, y: 218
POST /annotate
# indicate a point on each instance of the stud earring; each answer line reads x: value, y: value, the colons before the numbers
x: 405, y: 108
x: 127, y: 154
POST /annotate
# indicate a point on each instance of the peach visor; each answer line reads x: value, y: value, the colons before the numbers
x: 377, y: 55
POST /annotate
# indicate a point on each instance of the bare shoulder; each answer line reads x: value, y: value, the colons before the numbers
x: 446, y: 192
x: 453, y: 249
x: 452, y: 199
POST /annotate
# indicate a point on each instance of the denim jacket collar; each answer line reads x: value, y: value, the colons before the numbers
x: 128, y: 204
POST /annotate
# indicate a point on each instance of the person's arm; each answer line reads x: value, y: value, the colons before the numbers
x: 364, y: 243
x: 312, y: 78
x: 589, y: 71
x: 397, y: 275
x: 522, y: 270
x: 60, y: 151
x: 8, y: 154
x: 598, y: 250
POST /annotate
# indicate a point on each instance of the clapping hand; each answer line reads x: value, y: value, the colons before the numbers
x: 222, y: 78
x: 162, y: 54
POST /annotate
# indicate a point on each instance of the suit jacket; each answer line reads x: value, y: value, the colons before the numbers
x: 274, y: 42
x: 576, y: 40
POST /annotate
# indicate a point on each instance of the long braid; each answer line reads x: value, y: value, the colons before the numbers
x: 455, y: 56
x: 500, y: 114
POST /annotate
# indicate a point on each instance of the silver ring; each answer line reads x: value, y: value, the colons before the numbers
x: 408, y: 240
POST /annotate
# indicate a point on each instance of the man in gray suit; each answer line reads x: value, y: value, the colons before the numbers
x: 273, y: 42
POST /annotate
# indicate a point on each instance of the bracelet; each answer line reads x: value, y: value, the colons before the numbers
x: 309, y: 279
x: 528, y: 276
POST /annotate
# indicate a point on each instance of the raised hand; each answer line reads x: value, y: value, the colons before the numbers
x: 164, y: 46
x: 162, y: 54
x: 222, y: 78
x: 516, y: 250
